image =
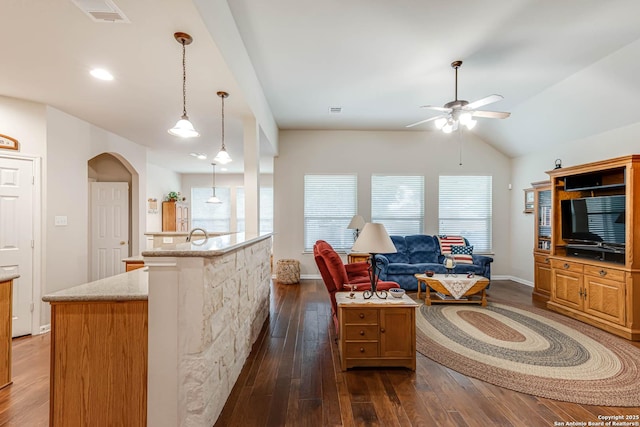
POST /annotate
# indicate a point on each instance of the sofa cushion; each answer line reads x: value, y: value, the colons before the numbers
x: 421, y: 249
x: 401, y: 247
x: 462, y: 254
x: 447, y: 241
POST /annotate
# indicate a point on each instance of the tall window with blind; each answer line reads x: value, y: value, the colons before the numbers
x: 329, y: 205
x: 266, y: 209
x: 465, y: 209
x: 398, y: 203
x: 211, y: 216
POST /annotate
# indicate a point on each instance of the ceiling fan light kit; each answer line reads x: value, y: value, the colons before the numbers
x: 183, y: 127
x: 460, y: 112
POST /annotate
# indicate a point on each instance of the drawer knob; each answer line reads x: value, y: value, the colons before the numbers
x: 361, y: 350
x: 382, y: 330
x: 361, y: 332
x: 362, y: 315
x: 603, y: 273
x: 546, y: 260
x: 565, y: 265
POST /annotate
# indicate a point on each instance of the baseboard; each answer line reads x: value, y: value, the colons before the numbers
x: 514, y: 279
x: 45, y: 328
x: 498, y: 277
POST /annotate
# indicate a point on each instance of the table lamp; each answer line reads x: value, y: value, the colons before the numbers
x: 357, y: 223
x: 373, y: 240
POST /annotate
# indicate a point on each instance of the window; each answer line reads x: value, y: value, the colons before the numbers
x: 398, y: 203
x: 210, y: 216
x: 329, y: 205
x: 465, y: 209
x: 266, y: 209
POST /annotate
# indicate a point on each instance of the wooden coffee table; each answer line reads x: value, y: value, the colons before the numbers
x: 470, y: 296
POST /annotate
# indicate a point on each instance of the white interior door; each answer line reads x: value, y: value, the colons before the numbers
x: 110, y: 228
x: 16, y: 236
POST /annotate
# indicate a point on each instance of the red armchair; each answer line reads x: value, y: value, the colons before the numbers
x: 335, y: 274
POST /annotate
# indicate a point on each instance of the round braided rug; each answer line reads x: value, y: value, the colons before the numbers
x: 532, y: 351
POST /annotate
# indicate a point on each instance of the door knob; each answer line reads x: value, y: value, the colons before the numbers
x: 123, y: 242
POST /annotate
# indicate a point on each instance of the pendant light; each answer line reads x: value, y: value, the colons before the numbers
x: 183, y: 127
x: 213, y: 198
x: 223, y: 157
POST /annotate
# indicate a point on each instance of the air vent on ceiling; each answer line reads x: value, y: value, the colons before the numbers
x: 335, y: 110
x: 102, y: 11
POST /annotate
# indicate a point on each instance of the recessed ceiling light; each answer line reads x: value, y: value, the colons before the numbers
x: 101, y: 73
x: 200, y: 156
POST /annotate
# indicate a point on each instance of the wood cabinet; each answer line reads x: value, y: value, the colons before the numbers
x: 355, y: 257
x: 98, y: 363
x: 175, y: 216
x: 6, y: 296
x: 376, y: 333
x: 596, y: 282
x: 542, y: 240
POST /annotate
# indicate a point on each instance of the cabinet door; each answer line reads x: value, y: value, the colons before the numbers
x: 396, y: 330
x: 542, y: 276
x: 566, y: 288
x: 605, y: 298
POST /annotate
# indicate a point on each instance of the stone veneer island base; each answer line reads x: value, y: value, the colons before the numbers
x: 207, y: 302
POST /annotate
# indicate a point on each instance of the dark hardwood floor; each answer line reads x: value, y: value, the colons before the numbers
x: 293, y: 378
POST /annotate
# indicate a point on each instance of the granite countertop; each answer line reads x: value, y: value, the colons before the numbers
x: 8, y: 276
x: 130, y: 286
x: 211, y: 247
x: 135, y: 258
x: 183, y: 233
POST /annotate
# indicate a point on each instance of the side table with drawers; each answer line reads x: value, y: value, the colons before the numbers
x: 376, y: 332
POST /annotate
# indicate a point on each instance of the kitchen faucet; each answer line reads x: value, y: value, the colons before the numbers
x: 206, y: 236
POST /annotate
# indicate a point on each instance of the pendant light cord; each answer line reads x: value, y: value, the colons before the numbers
x: 223, y: 147
x: 184, y: 80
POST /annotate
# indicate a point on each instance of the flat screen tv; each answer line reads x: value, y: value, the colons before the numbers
x: 597, y: 220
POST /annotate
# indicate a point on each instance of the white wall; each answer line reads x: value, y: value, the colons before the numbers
x: 532, y: 167
x: 160, y: 182
x: 421, y: 153
x: 71, y: 143
x: 65, y: 144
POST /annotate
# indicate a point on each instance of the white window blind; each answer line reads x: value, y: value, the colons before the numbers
x: 266, y: 209
x: 465, y: 209
x: 329, y: 205
x: 210, y: 216
x: 398, y: 203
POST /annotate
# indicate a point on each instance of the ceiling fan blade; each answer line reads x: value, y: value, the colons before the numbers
x: 425, y: 121
x: 482, y: 102
x: 431, y: 107
x: 490, y: 114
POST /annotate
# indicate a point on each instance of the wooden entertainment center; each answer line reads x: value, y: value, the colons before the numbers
x: 597, y: 280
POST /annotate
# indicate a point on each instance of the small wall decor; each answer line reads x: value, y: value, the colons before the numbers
x: 558, y: 163
x: 529, y: 200
x: 8, y: 143
x: 153, y: 206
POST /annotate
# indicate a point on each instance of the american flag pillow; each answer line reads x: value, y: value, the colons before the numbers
x: 462, y: 254
x: 447, y: 241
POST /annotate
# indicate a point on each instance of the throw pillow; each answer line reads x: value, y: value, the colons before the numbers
x: 462, y: 254
x: 447, y: 241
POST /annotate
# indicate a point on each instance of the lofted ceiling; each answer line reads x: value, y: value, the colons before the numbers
x: 567, y: 69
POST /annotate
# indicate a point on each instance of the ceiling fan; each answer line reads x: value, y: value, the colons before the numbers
x: 460, y: 111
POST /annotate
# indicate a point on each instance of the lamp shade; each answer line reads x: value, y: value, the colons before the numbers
x: 357, y: 223
x: 374, y: 239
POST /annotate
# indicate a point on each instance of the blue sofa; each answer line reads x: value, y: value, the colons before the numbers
x: 418, y: 253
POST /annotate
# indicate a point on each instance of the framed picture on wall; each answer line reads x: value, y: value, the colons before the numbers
x: 529, y: 200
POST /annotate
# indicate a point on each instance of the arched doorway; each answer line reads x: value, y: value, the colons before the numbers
x: 113, y: 216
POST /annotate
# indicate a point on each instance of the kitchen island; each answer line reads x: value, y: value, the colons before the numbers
x: 193, y: 319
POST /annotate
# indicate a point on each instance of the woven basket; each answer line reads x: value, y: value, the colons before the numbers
x: 288, y: 271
